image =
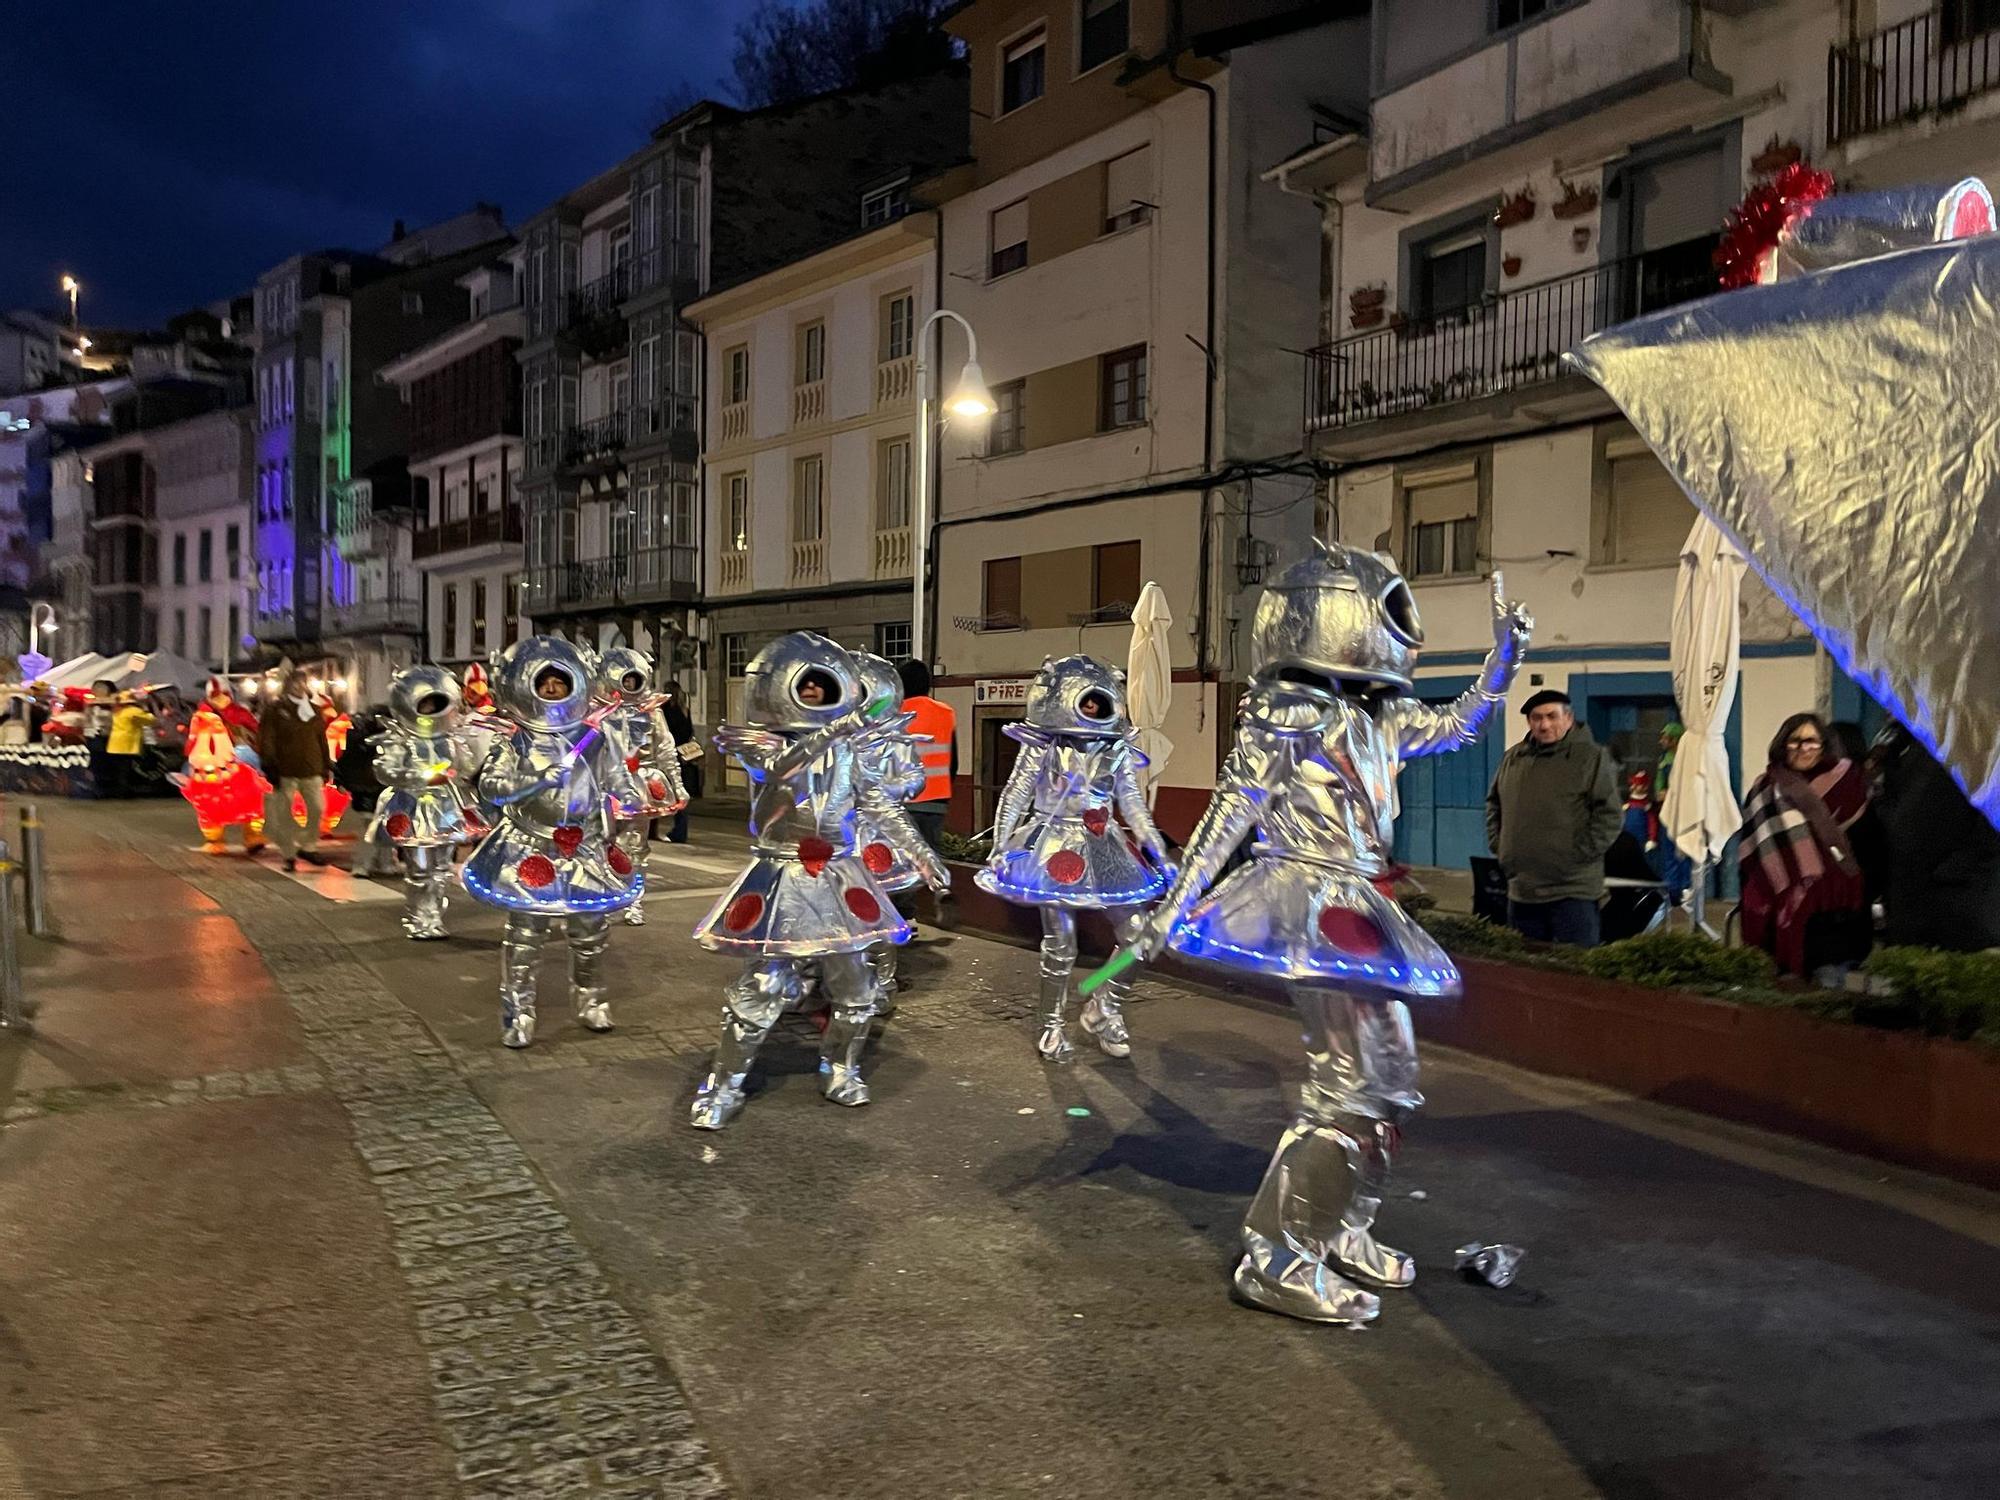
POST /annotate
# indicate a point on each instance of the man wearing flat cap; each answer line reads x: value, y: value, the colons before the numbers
x: 1552, y: 813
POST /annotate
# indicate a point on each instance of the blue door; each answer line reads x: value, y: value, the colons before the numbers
x: 1443, y: 817
x: 1850, y: 701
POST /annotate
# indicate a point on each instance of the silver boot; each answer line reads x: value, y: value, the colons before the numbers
x: 882, y: 958
x: 750, y: 1006
x: 424, y: 874
x: 632, y: 839
x: 1104, y: 1012
x: 588, y: 936
x: 520, y: 948
x: 850, y: 982
x: 1058, y: 963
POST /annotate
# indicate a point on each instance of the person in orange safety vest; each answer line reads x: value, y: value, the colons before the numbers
x: 936, y: 722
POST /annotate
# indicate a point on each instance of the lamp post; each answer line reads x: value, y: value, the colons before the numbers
x: 969, y: 400
x: 36, y: 627
x: 71, y: 285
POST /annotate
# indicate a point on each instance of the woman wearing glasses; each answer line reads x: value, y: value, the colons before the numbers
x: 1804, y: 901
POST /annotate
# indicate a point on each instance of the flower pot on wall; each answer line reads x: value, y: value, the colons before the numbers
x: 1579, y: 238
x: 1575, y: 202
x: 1775, y: 157
x: 1511, y: 264
x: 1517, y: 209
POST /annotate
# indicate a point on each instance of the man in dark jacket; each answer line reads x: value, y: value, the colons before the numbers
x: 1552, y: 813
x: 291, y: 743
x: 681, y: 727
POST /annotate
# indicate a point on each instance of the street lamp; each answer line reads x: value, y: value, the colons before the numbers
x: 36, y: 627
x: 71, y: 285
x: 969, y: 401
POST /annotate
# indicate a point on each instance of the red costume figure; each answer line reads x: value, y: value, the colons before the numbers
x: 222, y: 789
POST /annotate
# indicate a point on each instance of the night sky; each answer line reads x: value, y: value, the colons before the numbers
x: 167, y: 151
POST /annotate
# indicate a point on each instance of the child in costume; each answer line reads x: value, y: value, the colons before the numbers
x: 809, y: 894
x: 222, y: 789
x: 1073, y: 832
x: 643, y: 775
x: 1329, y: 721
x: 549, y: 862
x: 424, y: 761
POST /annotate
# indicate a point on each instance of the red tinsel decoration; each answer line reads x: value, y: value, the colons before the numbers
x: 1755, y: 223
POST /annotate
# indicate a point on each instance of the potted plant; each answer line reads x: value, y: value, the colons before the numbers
x: 1517, y: 208
x: 1575, y: 201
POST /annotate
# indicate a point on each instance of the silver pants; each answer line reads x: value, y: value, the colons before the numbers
x: 1104, y: 1014
x: 426, y: 875
x: 629, y: 834
x: 521, y: 950
x: 751, y: 1006
x: 1316, y: 1207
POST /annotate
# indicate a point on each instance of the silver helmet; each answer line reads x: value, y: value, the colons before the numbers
x: 881, y: 688
x: 426, y: 700
x: 1339, y: 613
x: 616, y: 668
x: 793, y: 669
x: 1077, y: 695
x: 570, y: 670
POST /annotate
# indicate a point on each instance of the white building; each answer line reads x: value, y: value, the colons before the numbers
x: 811, y: 426
x: 464, y: 398
x: 205, y: 477
x: 1528, y: 175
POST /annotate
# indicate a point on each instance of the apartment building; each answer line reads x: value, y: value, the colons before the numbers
x: 811, y: 428
x: 1531, y: 173
x: 463, y: 391
x: 1134, y: 285
x: 205, y: 482
x: 612, y: 367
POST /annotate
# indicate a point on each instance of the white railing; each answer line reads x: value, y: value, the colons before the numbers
x: 808, y: 403
x: 732, y: 573
x: 892, y: 553
x: 809, y: 562
x: 736, y: 422
x: 895, y: 379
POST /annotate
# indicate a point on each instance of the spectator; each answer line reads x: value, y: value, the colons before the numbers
x: 936, y: 722
x: 1803, y: 897
x: 125, y: 744
x: 1871, y: 849
x: 1552, y: 814
x: 354, y: 773
x: 291, y: 746
x: 687, y: 745
x: 1941, y: 881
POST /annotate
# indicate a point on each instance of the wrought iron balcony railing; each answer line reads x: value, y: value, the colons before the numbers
x: 461, y: 532
x: 601, y: 298
x: 1931, y: 62
x: 1502, y: 343
x: 598, y: 442
x: 649, y: 575
x: 399, y: 614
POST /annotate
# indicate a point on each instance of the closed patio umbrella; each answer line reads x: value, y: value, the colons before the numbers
x: 1149, y: 684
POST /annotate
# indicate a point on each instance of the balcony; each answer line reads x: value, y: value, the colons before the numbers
x: 809, y: 403
x: 672, y: 421
x: 892, y: 553
x: 395, y: 615
x: 1507, y: 343
x: 594, y: 314
x: 678, y: 264
x: 735, y: 423
x: 488, y: 528
x: 1578, y: 76
x: 652, y: 575
x: 895, y: 381
x: 597, y: 446
x: 732, y: 572
x: 809, y: 561
x: 1928, y: 64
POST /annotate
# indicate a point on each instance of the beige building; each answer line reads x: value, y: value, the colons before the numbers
x: 811, y: 428
x: 1135, y: 289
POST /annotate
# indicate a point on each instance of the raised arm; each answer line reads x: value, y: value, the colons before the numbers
x: 1132, y: 807
x: 665, y: 760
x: 893, y: 823
x: 1420, y: 729
x: 1241, y: 792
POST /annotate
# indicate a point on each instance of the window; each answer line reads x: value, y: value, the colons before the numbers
x: 479, y: 642
x: 1961, y: 20
x: 180, y: 632
x: 621, y: 389
x: 1122, y: 389
x: 687, y: 365
x: 737, y: 382
x: 1009, y: 239
x: 892, y: 471
x: 1114, y: 578
x: 885, y: 203
x: 687, y: 209
x: 898, y: 326
x: 1008, y: 431
x: 510, y: 609
x: 204, y: 643
x: 232, y: 546
x: 736, y: 514
x: 735, y: 655
x: 649, y: 353
x: 535, y: 410
x: 1449, y: 272
x: 892, y: 640
x: 450, y: 621
x: 285, y: 497
x: 1513, y: 12
x: 180, y: 559
x: 235, y: 630
x: 808, y: 500
x: 1000, y: 599
x: 1646, y: 516
x: 1670, y: 211
x: 1128, y: 189
x: 1104, y: 32
x: 291, y: 369
x: 648, y: 216
x: 1443, y: 508
x: 812, y: 354
x: 1021, y: 70
x: 680, y: 515
x: 204, y: 566
x: 481, y: 299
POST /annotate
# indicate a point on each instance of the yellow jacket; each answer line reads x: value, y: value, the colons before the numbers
x: 127, y: 730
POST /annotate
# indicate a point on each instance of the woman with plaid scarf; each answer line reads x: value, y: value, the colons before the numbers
x: 1803, y: 897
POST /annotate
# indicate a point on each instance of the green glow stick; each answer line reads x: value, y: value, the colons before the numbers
x: 1119, y: 962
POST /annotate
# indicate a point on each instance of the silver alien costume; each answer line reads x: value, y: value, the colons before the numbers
x: 1324, y: 730
x: 1073, y: 831
x: 892, y: 763
x: 425, y: 761
x: 549, y: 861
x: 642, y: 773
x: 809, y: 893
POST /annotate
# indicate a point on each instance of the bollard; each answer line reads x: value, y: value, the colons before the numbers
x: 13, y: 1002
x: 35, y: 873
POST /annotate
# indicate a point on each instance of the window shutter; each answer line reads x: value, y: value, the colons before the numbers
x: 1010, y: 225
x: 1650, y: 516
x: 1128, y: 179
